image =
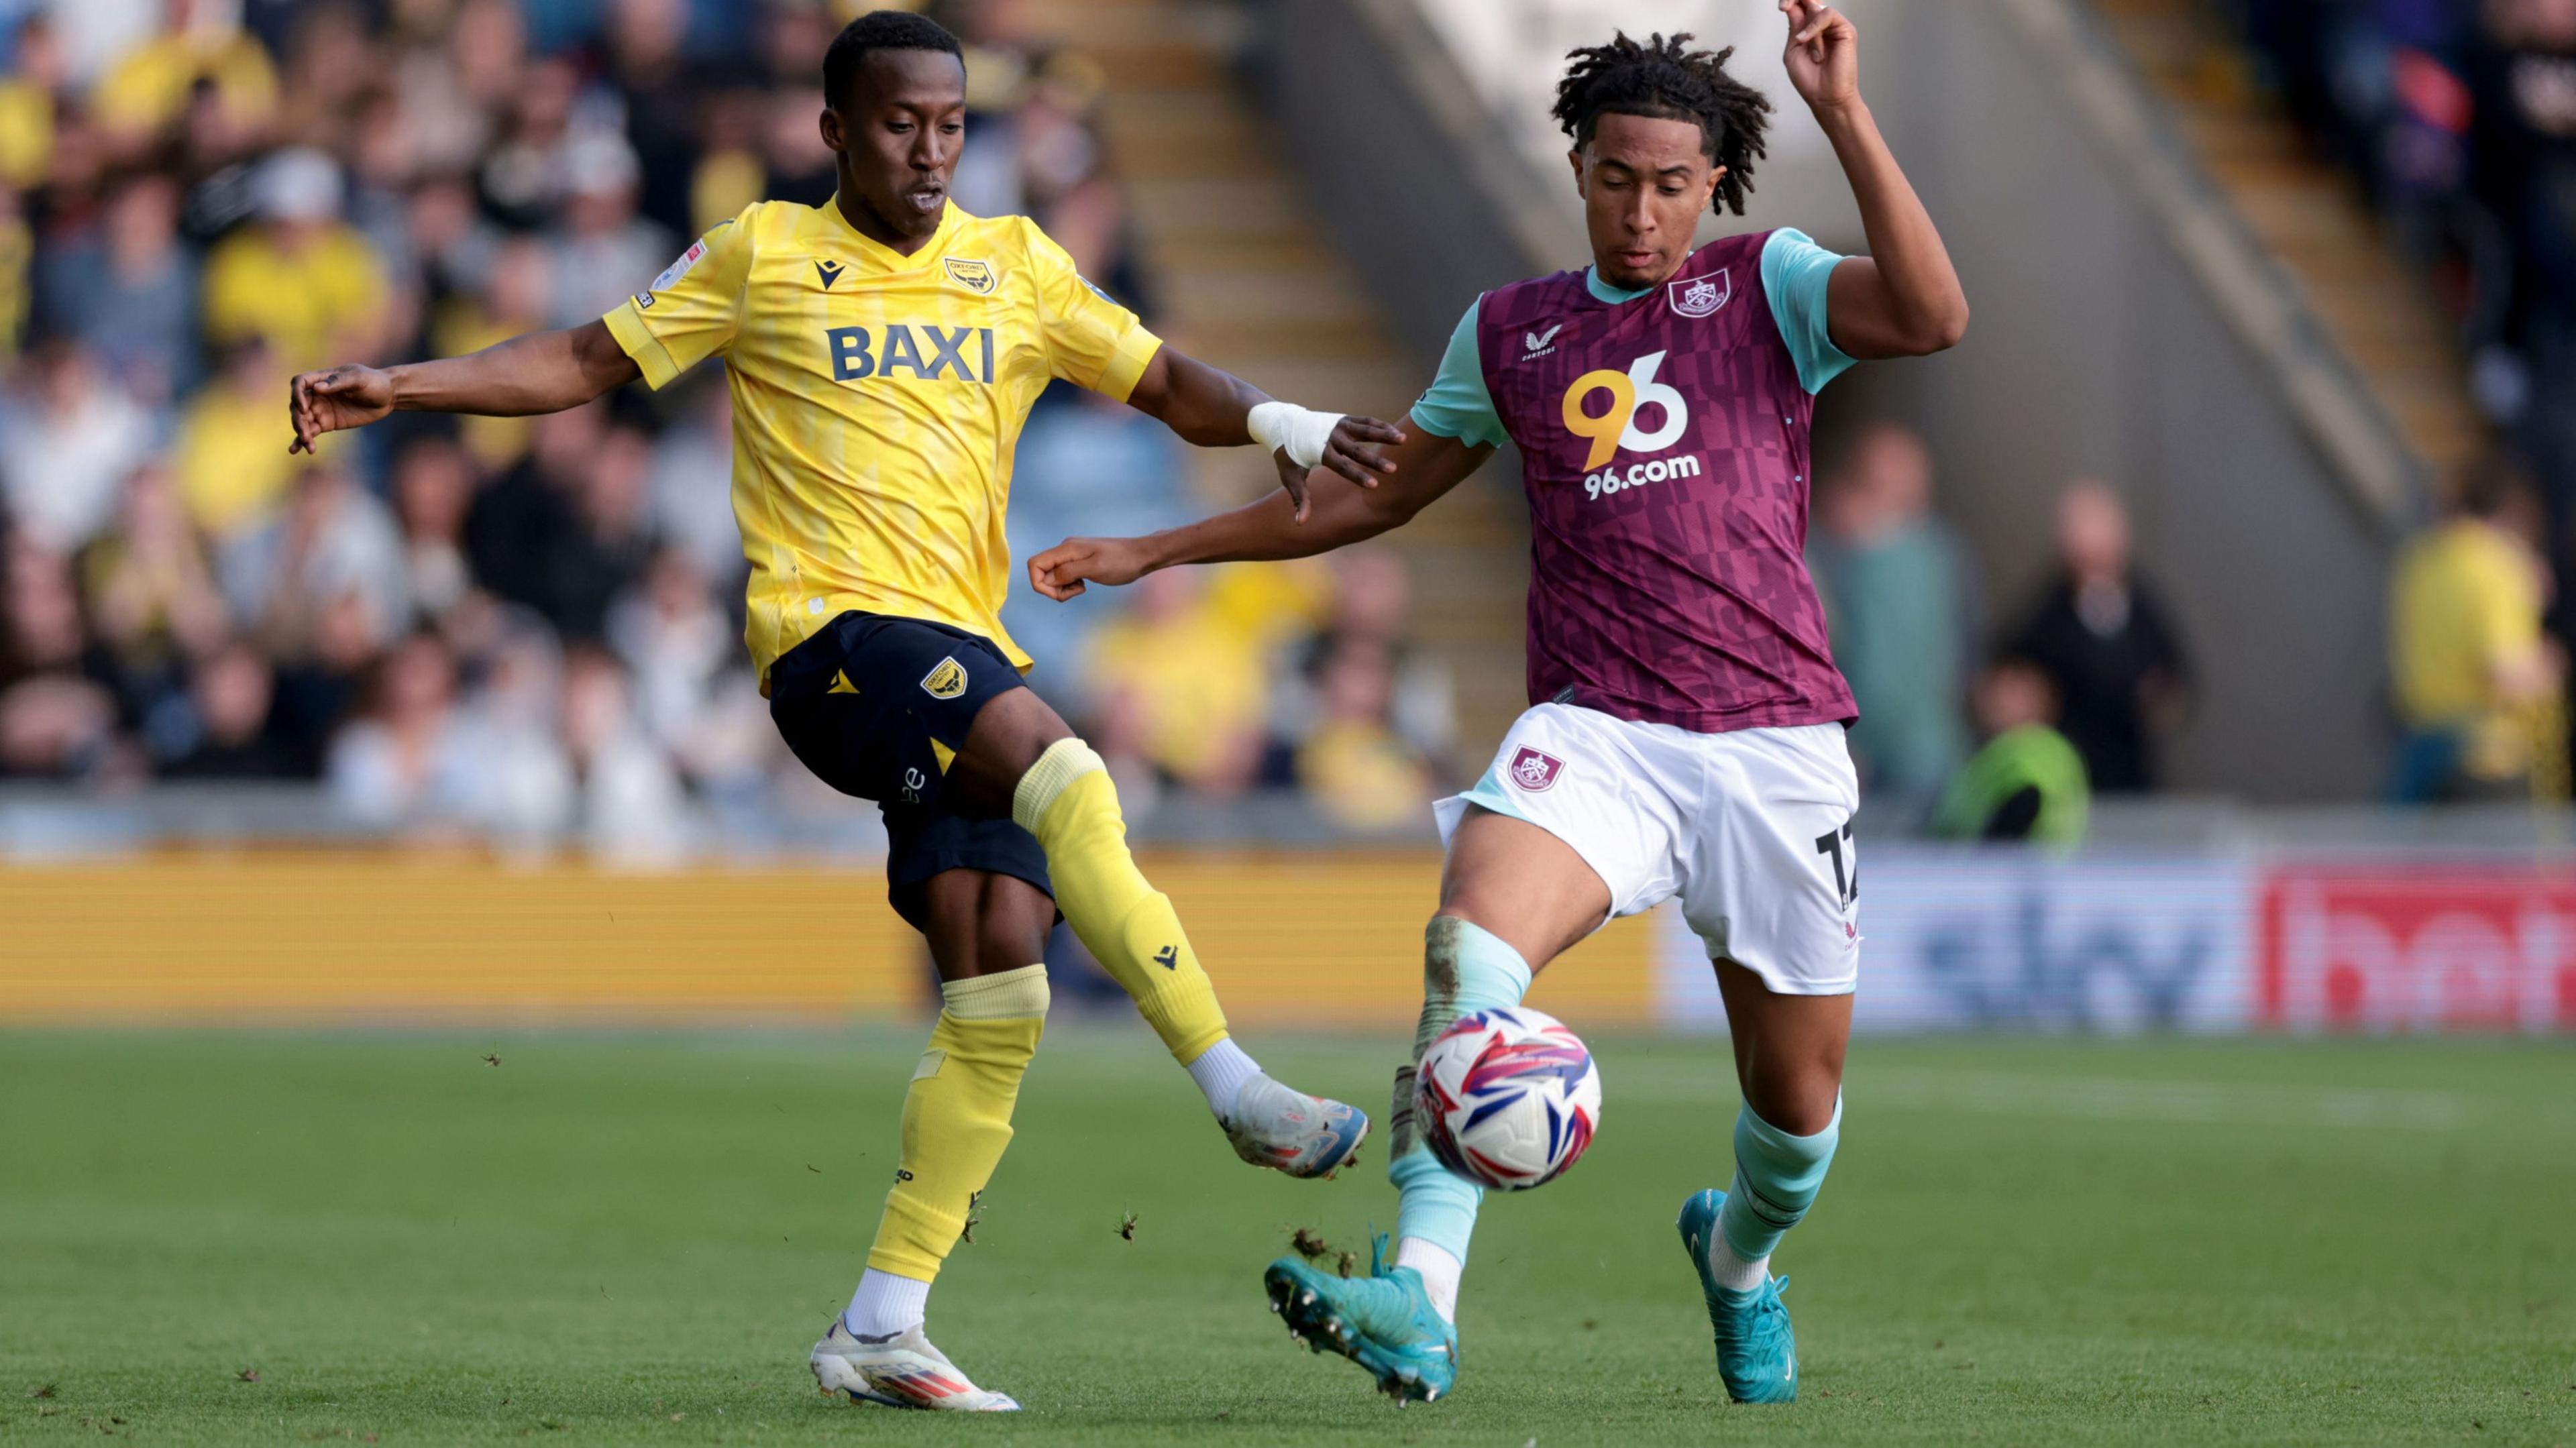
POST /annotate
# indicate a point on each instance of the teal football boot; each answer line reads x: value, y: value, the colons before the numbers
x: 1757, y: 1354
x: 1384, y: 1322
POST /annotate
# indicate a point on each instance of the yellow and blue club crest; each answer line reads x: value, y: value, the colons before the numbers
x: 947, y: 681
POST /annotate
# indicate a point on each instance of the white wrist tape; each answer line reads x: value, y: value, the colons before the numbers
x: 1301, y: 431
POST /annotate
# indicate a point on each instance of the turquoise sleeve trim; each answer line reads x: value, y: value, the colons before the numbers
x: 1457, y: 404
x: 1795, y: 276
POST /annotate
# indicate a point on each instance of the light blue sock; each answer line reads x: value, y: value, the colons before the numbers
x: 1465, y: 969
x: 1776, y: 1179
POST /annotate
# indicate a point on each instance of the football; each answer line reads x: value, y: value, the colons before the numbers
x: 1507, y: 1098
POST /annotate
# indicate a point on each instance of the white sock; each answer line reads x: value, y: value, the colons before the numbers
x: 885, y: 1304
x: 1732, y: 1272
x: 1221, y: 1070
x: 1440, y: 1273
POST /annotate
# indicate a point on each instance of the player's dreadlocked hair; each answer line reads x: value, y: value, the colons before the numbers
x: 878, y: 30
x: 1664, y: 78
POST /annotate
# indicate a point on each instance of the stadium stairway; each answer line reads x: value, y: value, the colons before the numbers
x: 2313, y: 219
x: 1246, y: 280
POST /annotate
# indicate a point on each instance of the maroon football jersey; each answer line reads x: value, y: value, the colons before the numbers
x: 1664, y: 447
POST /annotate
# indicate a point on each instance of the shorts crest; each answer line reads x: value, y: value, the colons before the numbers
x: 947, y: 681
x: 1534, y: 771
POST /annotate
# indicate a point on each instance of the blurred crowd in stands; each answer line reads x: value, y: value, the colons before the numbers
x: 2459, y: 119
x: 530, y: 628
x: 1977, y: 728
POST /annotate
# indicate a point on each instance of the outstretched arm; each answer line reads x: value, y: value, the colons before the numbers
x: 1418, y: 470
x: 1210, y: 407
x: 1904, y: 298
x: 540, y: 372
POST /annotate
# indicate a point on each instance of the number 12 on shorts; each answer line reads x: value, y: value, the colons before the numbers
x: 1846, y: 857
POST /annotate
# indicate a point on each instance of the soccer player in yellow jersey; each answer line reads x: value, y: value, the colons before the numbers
x: 883, y: 351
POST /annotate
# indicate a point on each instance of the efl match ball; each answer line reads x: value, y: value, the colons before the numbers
x: 1508, y: 1098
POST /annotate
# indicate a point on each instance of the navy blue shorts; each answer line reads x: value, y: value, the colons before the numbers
x: 868, y: 704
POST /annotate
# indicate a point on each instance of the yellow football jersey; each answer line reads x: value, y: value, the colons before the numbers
x: 877, y: 401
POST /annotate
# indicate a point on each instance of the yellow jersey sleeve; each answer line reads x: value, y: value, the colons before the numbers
x: 693, y: 308
x: 1090, y: 340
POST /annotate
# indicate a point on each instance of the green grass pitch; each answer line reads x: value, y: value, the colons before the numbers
x: 621, y: 1239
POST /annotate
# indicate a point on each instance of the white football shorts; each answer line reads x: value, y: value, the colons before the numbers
x: 1752, y: 830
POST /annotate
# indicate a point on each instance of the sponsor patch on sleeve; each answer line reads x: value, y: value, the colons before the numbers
x: 680, y: 268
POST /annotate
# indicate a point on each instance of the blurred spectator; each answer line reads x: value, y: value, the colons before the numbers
x: 234, y: 469
x: 522, y: 521
x: 28, y: 86
x: 692, y: 691
x: 454, y: 78
x: 522, y: 176
x: 2470, y: 663
x: 627, y: 804
x: 665, y: 96
x: 201, y: 50
x: 334, y: 554
x: 604, y: 251
x: 1366, y: 625
x: 1086, y: 465
x: 610, y: 541
x: 1897, y: 590
x: 321, y: 681
x: 384, y: 162
x: 2027, y: 782
x: 229, y: 704
x: 519, y: 785
x: 55, y: 721
x: 128, y: 292
x: 434, y: 484
x: 402, y: 761
x: 1361, y: 771
x: 68, y: 437
x: 330, y: 68
x: 453, y: 242
x: 1180, y: 690
x: 17, y: 265
x: 510, y: 301
x: 2105, y: 643
x: 299, y: 276
x: 152, y: 606
x: 691, y: 489
x: 422, y: 761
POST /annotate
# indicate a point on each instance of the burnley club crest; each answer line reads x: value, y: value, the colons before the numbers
x: 1702, y: 296
x: 1534, y: 771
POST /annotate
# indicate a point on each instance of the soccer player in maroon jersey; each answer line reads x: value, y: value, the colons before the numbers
x: 1685, y: 731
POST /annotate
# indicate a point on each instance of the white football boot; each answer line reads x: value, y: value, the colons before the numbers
x: 1305, y: 1136
x: 902, y: 1371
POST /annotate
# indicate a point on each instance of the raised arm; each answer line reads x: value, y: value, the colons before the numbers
x: 1418, y: 470
x: 1904, y: 298
x: 540, y: 372
x: 1210, y: 407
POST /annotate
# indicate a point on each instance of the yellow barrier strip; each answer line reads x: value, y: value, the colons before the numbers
x: 262, y: 938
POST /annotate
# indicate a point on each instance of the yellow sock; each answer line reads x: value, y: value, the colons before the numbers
x: 1067, y: 801
x: 957, y: 1115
